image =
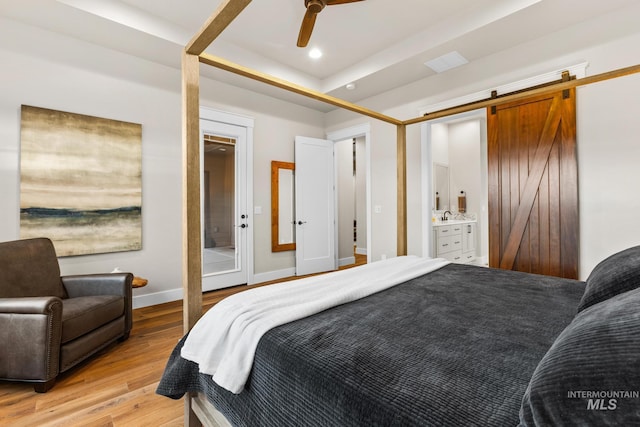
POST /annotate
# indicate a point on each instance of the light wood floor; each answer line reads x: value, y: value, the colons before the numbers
x: 116, y: 387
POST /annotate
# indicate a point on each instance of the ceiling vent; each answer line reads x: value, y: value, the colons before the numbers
x: 446, y: 62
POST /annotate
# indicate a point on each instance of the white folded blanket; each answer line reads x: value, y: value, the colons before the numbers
x: 223, y: 342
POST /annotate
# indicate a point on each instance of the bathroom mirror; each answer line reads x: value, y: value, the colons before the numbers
x: 282, y: 207
x: 440, y: 187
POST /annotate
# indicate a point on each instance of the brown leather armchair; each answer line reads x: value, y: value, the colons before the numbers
x: 48, y: 323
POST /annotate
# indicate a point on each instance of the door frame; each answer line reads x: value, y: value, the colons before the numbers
x: 222, y: 117
x: 426, y: 178
x: 357, y: 131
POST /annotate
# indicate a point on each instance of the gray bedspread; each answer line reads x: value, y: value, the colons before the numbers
x: 455, y: 347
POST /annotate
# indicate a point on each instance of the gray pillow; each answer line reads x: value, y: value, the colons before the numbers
x: 591, y: 374
x: 614, y: 275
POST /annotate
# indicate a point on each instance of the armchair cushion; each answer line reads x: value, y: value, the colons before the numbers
x: 30, y: 269
x: 84, y: 314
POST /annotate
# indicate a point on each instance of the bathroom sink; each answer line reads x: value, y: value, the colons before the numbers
x: 453, y: 221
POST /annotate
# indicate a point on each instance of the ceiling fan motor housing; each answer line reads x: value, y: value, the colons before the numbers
x: 315, y: 6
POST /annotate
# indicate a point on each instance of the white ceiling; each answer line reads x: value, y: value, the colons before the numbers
x: 377, y: 44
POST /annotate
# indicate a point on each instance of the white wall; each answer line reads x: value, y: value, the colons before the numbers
x: 440, y: 143
x: 608, y: 168
x: 57, y: 72
x: 464, y: 164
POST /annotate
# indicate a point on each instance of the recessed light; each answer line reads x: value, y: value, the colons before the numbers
x: 350, y: 86
x: 315, y: 53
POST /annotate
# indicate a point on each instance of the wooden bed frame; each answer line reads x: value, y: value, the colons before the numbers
x: 197, y: 408
x: 207, y: 414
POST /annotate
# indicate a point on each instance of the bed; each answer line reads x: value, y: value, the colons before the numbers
x: 459, y: 345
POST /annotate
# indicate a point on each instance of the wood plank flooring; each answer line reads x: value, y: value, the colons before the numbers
x: 117, y: 386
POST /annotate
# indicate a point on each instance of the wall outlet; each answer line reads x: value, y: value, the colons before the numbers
x: 377, y: 209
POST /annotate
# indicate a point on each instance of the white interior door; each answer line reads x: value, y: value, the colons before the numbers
x: 315, y: 206
x: 225, y: 216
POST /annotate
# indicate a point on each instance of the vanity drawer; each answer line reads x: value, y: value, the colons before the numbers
x: 468, y: 256
x: 448, y: 244
x: 454, y: 256
x: 456, y: 229
x: 449, y: 230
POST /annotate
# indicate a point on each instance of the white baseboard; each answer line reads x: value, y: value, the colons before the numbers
x: 346, y: 261
x: 273, y: 275
x: 361, y: 251
x: 170, y: 295
x: 157, y: 298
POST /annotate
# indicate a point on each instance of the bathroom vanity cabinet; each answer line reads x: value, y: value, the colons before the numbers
x: 455, y: 240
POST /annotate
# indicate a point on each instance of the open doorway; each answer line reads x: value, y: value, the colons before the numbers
x: 358, y: 203
x: 351, y: 195
x: 458, y: 144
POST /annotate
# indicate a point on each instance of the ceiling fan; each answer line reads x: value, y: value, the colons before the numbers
x: 313, y: 8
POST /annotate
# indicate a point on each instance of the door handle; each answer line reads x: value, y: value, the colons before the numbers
x: 302, y: 222
x: 244, y: 225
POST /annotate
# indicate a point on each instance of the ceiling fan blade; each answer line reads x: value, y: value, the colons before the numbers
x: 306, y: 28
x: 332, y: 2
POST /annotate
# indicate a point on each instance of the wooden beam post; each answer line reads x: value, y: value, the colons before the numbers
x: 215, y: 25
x: 402, y: 189
x: 191, y: 236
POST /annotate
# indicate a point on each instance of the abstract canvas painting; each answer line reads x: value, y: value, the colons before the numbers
x: 80, y: 181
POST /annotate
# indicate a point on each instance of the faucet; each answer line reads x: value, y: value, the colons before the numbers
x: 444, y: 215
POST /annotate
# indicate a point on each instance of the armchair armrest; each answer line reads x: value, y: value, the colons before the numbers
x: 32, y: 305
x: 30, y: 330
x: 83, y: 285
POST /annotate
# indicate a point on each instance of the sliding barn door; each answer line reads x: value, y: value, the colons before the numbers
x: 533, y: 185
